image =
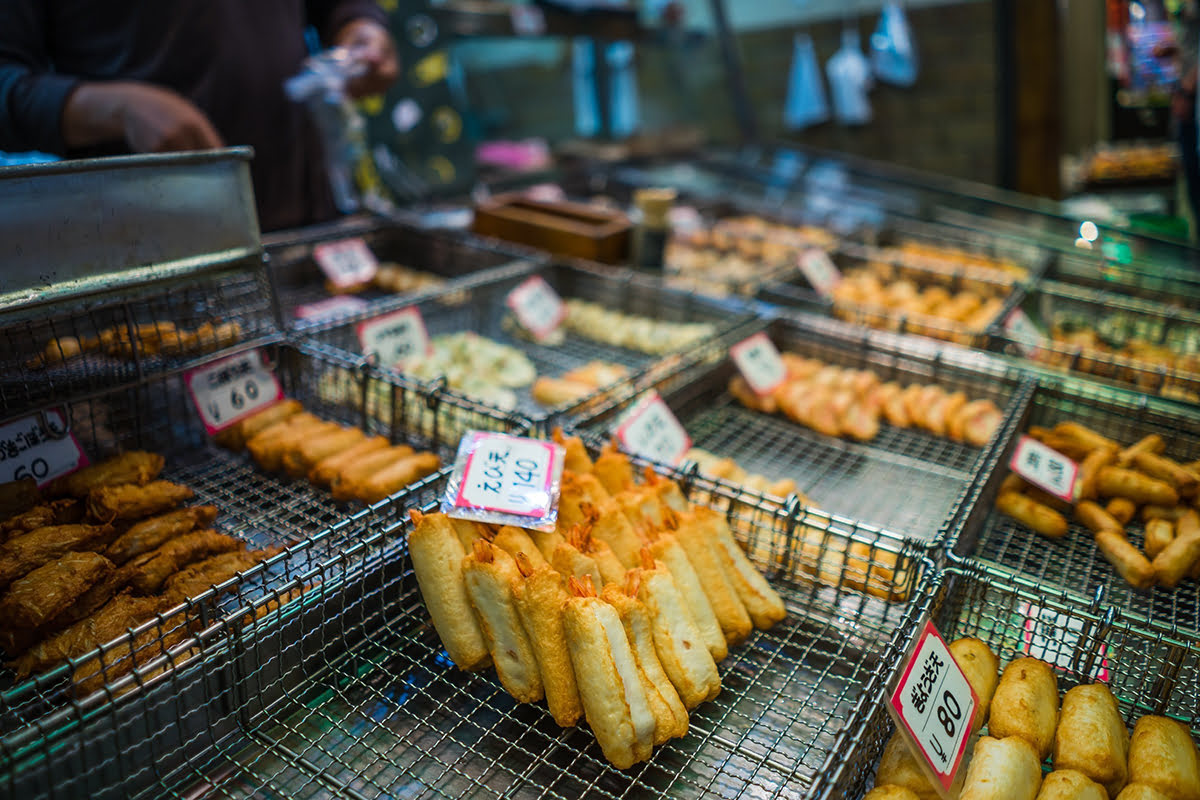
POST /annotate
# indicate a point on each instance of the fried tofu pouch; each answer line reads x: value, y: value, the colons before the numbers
x: 1091, y: 737
x: 129, y: 501
x: 898, y: 767
x: 614, y: 700
x: 1003, y: 769
x: 1026, y: 705
x: 540, y: 597
x: 489, y: 581
x: 1069, y: 784
x: 437, y: 556
x: 1163, y: 757
x: 25, y: 553
x: 151, y: 533
x: 981, y: 666
x: 135, y: 466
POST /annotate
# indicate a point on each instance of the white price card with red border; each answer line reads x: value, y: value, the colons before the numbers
x: 650, y: 430
x: 538, y: 307
x: 933, y: 706
x: 1045, y: 467
x: 232, y: 389
x: 760, y: 364
x: 498, y: 477
x: 1054, y: 637
x: 820, y: 271
x: 30, y: 448
x: 341, y: 305
x: 1025, y: 334
x: 346, y: 263
x: 397, y: 339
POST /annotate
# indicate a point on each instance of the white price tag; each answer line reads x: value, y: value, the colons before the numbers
x: 28, y: 450
x: 759, y: 363
x: 652, y: 431
x: 1053, y: 637
x: 342, y: 305
x: 539, y: 309
x: 1025, y: 334
x: 528, y: 20
x: 820, y: 270
x: 1045, y: 467
x: 230, y: 389
x: 346, y: 263
x: 933, y: 705
x: 506, y: 474
x: 397, y: 339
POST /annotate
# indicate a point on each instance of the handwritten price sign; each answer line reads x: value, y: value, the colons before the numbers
x: 232, y: 389
x: 1045, y: 467
x: 507, y: 474
x: 537, y: 307
x: 397, y: 339
x: 652, y: 431
x: 29, y: 450
x: 759, y: 362
x: 346, y: 263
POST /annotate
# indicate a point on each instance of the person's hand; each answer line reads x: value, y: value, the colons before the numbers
x: 370, y: 43
x: 150, y: 119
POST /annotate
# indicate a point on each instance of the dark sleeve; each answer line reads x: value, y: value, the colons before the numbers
x: 329, y: 16
x: 31, y: 95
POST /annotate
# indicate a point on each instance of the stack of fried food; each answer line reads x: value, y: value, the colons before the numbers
x: 713, y: 466
x: 1093, y: 756
x: 1115, y: 485
x: 159, y: 338
x: 948, y: 258
x: 577, y: 383
x: 848, y: 402
x: 99, y: 552
x: 619, y: 615
x: 344, y: 459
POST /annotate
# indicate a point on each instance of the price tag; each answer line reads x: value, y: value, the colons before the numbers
x: 346, y: 263
x: 1045, y: 467
x: 507, y: 475
x: 652, y: 431
x: 341, y: 305
x: 231, y: 389
x: 1024, y: 333
x: 759, y: 363
x: 397, y: 339
x: 1053, y: 638
x: 933, y: 705
x: 539, y: 309
x: 820, y: 270
x: 29, y: 450
x: 528, y: 20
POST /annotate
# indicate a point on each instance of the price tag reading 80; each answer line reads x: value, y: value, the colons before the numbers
x: 1045, y: 467
x: 652, y: 431
x: 397, y: 339
x: 346, y: 263
x: 231, y: 389
x: 933, y: 705
x: 539, y: 309
x: 29, y: 450
x: 760, y: 364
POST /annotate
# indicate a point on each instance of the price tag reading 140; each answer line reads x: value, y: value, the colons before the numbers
x: 1045, y: 467
x: 505, y: 475
x: 538, y: 308
x: 933, y: 705
x: 231, y: 389
x: 397, y: 339
x: 760, y: 364
x: 28, y: 450
x: 652, y: 431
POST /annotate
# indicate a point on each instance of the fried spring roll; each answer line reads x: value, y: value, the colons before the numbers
x: 152, y: 533
x: 57, y: 512
x: 298, y: 462
x: 113, y: 619
x: 268, y: 447
x: 1041, y: 518
x: 489, y: 582
x: 347, y: 483
x: 135, y: 466
x: 1163, y: 757
x: 1091, y: 737
x: 666, y: 548
x: 110, y: 503
x: 676, y: 640
x: 898, y: 767
x: 43, y: 594
x: 1088, y: 469
x: 706, y: 559
x: 614, y: 701
x: 762, y: 602
x: 1149, y: 444
x: 540, y: 598
x: 981, y: 667
x: 1069, y: 784
x: 1167, y: 470
x: 1096, y: 518
x: 150, y: 571
x: 1128, y: 561
x: 325, y: 470
x: 1085, y: 436
x: 1177, y: 558
x: 513, y: 540
x: 235, y: 436
x: 1159, y: 534
x: 576, y: 458
x: 1026, y: 705
x: 613, y: 469
x: 1003, y: 769
x: 1122, y: 509
x: 437, y: 557
x: 398, y: 475
x: 1118, y: 482
x: 22, y: 554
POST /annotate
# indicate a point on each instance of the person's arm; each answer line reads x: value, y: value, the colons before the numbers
x: 149, y: 119
x: 361, y: 27
x: 31, y: 96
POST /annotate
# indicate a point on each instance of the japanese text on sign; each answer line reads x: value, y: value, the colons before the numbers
x: 652, y: 431
x: 760, y: 364
x: 820, y: 271
x: 508, y: 474
x: 228, y: 390
x: 538, y: 308
x: 933, y: 705
x: 1054, y: 638
x: 397, y: 339
x: 1027, y: 337
x: 1045, y: 467
x: 346, y: 263
x: 27, y: 450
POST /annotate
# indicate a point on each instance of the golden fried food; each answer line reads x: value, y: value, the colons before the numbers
x: 1181, y: 554
x: 1126, y: 559
x: 135, y: 466
x: 1091, y: 737
x: 398, y: 475
x: 198, y: 578
x: 610, y: 567
x: 1029, y: 512
x: 323, y: 473
x: 762, y: 602
x: 576, y: 458
x: 1118, y: 482
x: 514, y: 541
x: 299, y: 461
x: 1003, y: 769
x: 540, y: 597
x: 112, y: 620
x: 1163, y: 756
x: 130, y: 501
x: 695, y: 538
x: 890, y: 792
x: 25, y: 553
x: 1096, y: 518
x: 1122, y: 509
x: 665, y: 548
x: 489, y: 581
x: 150, y: 533
x: 236, y: 435
x: 1140, y: 791
x: 90, y: 601
x: 57, y: 512
x: 149, y: 571
x: 268, y: 445
x: 347, y: 483
x: 111, y: 665
x: 613, y: 469
x: 36, y: 598
x: 1089, y: 467
x: 981, y: 666
x: 1026, y: 705
x: 898, y: 767
x: 1069, y: 784
x: 573, y: 563
x: 1158, y: 534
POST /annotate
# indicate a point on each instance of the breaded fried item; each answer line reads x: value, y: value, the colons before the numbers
x: 33, y: 600
x: 348, y: 481
x: 149, y: 571
x: 489, y: 582
x: 196, y: 579
x: 17, y: 497
x: 1091, y: 737
x: 540, y: 596
x: 613, y: 469
x: 1026, y: 704
x: 299, y: 461
x: 1163, y: 756
x: 573, y: 563
x: 129, y: 501
x: 665, y: 548
x: 1002, y: 769
x: 113, y: 619
x: 323, y: 473
x: 1140, y: 791
x: 898, y: 767
x: 270, y: 446
x: 135, y: 466
x: 1069, y: 784
x: 576, y: 458
x: 702, y: 551
x: 235, y: 436
x: 891, y: 792
x: 111, y: 665
x: 762, y: 602
x: 90, y: 601
x: 979, y: 664
x: 611, y: 568
x: 396, y: 476
x: 25, y: 553
x: 514, y: 540
x: 152, y: 533
x: 67, y: 511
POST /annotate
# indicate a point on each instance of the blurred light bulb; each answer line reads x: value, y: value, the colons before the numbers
x: 1089, y: 231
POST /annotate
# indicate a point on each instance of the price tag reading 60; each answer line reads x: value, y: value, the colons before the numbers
x: 29, y: 450
x: 231, y: 389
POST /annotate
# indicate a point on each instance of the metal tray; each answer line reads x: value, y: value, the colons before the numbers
x: 352, y: 694
x: 904, y: 480
x: 1149, y: 672
x: 1004, y: 547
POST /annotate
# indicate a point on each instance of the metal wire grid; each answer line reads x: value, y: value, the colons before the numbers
x: 352, y: 694
x: 905, y: 480
x: 1003, y: 547
x: 1149, y: 671
x: 484, y: 312
x: 29, y: 382
x: 38, y: 716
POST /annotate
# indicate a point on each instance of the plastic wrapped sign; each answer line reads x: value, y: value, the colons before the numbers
x: 505, y: 480
x: 805, y: 104
x: 849, y: 81
x: 893, y: 56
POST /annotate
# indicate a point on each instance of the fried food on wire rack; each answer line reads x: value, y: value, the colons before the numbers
x: 150, y: 571
x: 39, y: 597
x: 113, y: 619
x: 199, y: 577
x: 156, y: 531
x: 57, y: 512
x: 23, y: 554
x: 128, y: 502
x: 135, y: 466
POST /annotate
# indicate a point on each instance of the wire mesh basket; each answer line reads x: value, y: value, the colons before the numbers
x: 1149, y: 671
x: 479, y: 309
x: 1002, y: 546
x: 41, y: 716
x: 905, y: 479
x: 352, y: 693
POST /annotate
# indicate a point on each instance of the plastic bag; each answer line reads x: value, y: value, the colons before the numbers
x: 505, y: 480
x: 849, y: 80
x: 805, y: 104
x: 893, y: 55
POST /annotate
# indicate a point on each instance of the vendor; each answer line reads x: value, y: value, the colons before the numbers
x: 85, y: 78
